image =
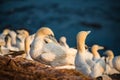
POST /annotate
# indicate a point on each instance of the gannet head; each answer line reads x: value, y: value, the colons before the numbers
x: 109, y: 54
x: 62, y: 42
x: 97, y: 47
x: 63, y: 39
x: 6, y: 31
x: 81, y: 37
x: 22, y: 33
x: 46, y: 34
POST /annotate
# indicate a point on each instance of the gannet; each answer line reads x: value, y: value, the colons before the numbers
x: 99, y: 66
x: 12, y: 35
x: 62, y: 42
x: 94, y: 49
x: 83, y: 62
x: 49, y: 51
x: 42, y: 36
x: 111, y: 63
x: 70, y: 52
x: 9, y: 45
x: 22, y: 34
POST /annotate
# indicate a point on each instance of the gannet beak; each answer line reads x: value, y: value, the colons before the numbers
x: 88, y: 32
x: 50, y: 38
x: 101, y: 47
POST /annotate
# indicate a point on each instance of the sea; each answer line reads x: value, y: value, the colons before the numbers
x: 66, y: 18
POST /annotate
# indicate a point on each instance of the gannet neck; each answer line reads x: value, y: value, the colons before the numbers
x: 8, y: 43
x: 42, y: 35
x: 27, y: 44
x: 110, y: 54
x: 95, y: 49
x: 13, y: 37
x: 81, y: 37
x: 28, y: 41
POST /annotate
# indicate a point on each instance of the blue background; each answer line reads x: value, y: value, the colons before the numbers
x: 66, y: 18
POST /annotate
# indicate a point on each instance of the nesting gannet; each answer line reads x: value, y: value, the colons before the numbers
x: 111, y: 63
x: 28, y: 42
x: 48, y: 51
x: 22, y: 34
x: 62, y: 42
x: 83, y: 62
x: 42, y: 36
x: 70, y: 52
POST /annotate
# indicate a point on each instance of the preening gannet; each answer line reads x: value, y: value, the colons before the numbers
x: 49, y: 51
x: 83, y: 62
x: 111, y: 63
x: 42, y: 36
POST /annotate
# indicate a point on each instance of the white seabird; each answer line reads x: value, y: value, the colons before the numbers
x: 94, y: 49
x: 111, y: 63
x: 62, y: 42
x: 99, y: 66
x: 46, y: 49
x: 83, y: 62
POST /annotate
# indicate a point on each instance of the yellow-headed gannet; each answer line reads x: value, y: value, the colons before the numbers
x: 111, y: 63
x: 83, y: 62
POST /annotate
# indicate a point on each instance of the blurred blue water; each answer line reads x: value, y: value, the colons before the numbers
x: 67, y: 17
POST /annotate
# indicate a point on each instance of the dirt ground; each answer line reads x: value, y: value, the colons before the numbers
x: 21, y: 69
